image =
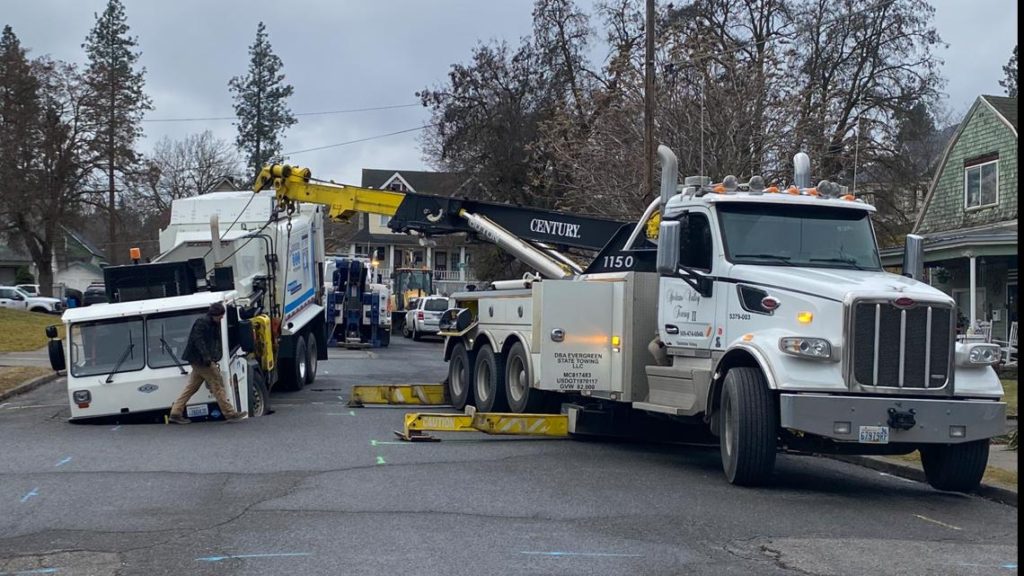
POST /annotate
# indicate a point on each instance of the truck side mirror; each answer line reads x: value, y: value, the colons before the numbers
x: 55, y: 349
x: 668, y: 248
x: 246, y: 336
x: 51, y: 331
x: 913, y: 257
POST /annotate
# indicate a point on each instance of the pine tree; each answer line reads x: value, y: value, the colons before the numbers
x: 1010, y: 70
x: 117, y: 101
x: 261, y: 104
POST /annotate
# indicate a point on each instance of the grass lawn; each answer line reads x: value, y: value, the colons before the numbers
x: 23, y: 331
x: 1010, y: 391
x: 11, y: 376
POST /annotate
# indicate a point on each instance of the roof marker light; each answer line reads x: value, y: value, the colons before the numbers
x: 756, y: 185
x: 793, y: 190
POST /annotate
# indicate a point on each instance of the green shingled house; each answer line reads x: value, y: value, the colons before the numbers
x: 969, y: 218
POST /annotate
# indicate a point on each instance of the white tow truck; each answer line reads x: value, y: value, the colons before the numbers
x: 266, y: 268
x: 762, y: 315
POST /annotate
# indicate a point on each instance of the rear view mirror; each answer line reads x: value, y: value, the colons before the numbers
x: 51, y: 331
x: 455, y: 320
x: 55, y: 348
x: 668, y: 248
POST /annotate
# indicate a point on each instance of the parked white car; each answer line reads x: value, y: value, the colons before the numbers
x: 423, y: 316
x: 18, y: 299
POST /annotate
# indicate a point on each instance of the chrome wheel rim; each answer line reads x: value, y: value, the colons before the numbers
x: 517, y: 378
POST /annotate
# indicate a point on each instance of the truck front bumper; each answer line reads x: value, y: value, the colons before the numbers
x: 934, y: 421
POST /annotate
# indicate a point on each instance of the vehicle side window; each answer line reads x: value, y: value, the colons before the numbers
x: 695, y: 243
x: 5, y: 293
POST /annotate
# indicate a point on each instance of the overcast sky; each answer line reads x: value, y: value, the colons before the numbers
x: 346, y: 54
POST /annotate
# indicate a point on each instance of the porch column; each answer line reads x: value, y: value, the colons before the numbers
x: 430, y: 252
x: 391, y: 257
x: 462, y: 263
x: 974, y: 286
x: 352, y: 250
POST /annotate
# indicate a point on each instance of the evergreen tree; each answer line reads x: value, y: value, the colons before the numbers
x: 1010, y: 70
x: 261, y: 104
x: 117, y: 101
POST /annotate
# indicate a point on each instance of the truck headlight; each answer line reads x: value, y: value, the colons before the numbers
x: 812, y: 348
x: 979, y: 355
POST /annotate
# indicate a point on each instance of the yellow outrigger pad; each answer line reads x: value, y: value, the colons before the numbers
x: 408, y: 394
x: 418, y: 423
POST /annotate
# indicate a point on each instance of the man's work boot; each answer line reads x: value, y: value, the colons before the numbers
x: 236, y: 416
x: 178, y: 419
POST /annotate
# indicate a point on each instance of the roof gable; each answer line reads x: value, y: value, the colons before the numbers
x: 438, y: 183
x: 984, y: 131
x: 1006, y: 107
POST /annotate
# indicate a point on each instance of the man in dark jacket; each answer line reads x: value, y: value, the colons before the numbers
x: 203, y: 352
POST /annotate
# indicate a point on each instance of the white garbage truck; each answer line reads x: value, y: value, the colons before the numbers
x: 762, y: 315
x: 265, y: 267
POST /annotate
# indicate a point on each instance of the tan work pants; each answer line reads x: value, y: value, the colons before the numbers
x: 211, y: 374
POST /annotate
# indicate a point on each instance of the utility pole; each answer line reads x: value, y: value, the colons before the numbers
x: 649, y: 103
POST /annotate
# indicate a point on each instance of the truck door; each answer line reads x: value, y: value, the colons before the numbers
x: 685, y: 318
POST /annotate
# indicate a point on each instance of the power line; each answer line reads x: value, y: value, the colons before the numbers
x: 321, y: 113
x: 424, y: 127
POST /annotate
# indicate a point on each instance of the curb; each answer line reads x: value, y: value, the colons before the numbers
x: 29, y: 385
x: 987, y: 491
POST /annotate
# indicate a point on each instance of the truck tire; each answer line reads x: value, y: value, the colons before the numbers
x: 259, y: 397
x: 955, y: 467
x: 489, y: 381
x: 405, y: 330
x: 293, y: 370
x: 522, y: 398
x: 460, y: 381
x: 312, y: 351
x: 749, y: 427
x: 416, y: 335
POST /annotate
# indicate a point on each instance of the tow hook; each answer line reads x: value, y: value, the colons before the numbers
x: 902, y: 420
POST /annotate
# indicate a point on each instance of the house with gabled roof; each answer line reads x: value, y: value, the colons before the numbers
x: 969, y: 218
x: 449, y: 257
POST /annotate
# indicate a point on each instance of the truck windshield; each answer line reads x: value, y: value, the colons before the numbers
x: 97, y: 347
x: 167, y: 335
x: 806, y: 236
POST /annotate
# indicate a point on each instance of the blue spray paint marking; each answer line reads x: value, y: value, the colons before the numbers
x: 234, y: 556
x: 1008, y: 566
x: 115, y: 428
x: 34, y: 492
x: 351, y: 412
x: 63, y: 462
x: 380, y: 442
x: 342, y: 398
x: 600, y: 554
x: 380, y: 460
x: 36, y: 571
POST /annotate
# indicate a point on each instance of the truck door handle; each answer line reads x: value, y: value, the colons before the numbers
x: 671, y: 329
x: 557, y: 335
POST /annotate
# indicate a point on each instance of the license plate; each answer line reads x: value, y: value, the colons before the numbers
x: 874, y: 434
x: 198, y: 410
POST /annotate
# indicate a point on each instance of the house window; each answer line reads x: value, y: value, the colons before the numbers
x: 981, y: 184
x: 384, y: 220
x: 440, y: 261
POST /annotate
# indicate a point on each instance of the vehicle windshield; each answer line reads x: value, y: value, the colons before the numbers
x: 417, y: 280
x: 436, y: 304
x: 97, y: 347
x: 807, y: 236
x: 167, y: 335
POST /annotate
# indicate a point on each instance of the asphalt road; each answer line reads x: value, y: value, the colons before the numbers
x: 319, y: 488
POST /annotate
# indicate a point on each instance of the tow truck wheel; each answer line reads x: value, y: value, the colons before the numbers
x: 749, y: 430
x: 459, y: 382
x: 489, y: 382
x: 311, y: 358
x: 955, y: 467
x: 522, y: 398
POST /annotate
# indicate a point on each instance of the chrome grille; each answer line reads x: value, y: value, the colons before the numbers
x: 902, y: 348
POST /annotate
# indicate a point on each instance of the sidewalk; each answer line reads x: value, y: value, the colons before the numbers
x: 32, y: 358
